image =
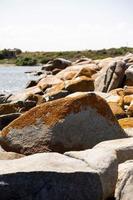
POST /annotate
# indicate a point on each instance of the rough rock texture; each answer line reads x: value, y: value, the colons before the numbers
x: 48, y: 82
x: 72, y: 71
x: 88, y: 72
x: 117, y: 110
x: 127, y: 125
x: 123, y: 148
x: 49, y: 176
x: 80, y: 84
x: 72, y: 123
x: 110, y: 77
x: 105, y: 162
x: 124, y: 187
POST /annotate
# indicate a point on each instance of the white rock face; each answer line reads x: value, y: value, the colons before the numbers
x: 124, y: 187
x: 104, y: 162
x: 111, y: 76
x: 122, y: 147
x: 49, y: 176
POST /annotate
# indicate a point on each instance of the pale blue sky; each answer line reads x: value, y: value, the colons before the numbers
x: 51, y: 25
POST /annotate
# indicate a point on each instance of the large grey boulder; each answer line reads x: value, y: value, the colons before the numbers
x: 48, y: 176
x: 69, y: 124
x: 104, y: 162
x: 111, y: 76
x: 124, y: 187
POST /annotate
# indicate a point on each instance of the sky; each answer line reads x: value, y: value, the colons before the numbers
x: 60, y: 25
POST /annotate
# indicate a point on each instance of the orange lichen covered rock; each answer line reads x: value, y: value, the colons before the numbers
x: 130, y: 110
x: 80, y: 84
x: 117, y: 110
x: 126, y: 122
x: 71, y: 123
x: 88, y: 72
x: 48, y: 81
x: 128, y: 99
x: 71, y: 71
x: 127, y: 125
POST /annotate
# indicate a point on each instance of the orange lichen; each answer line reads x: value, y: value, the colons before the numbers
x: 116, y: 109
x: 88, y: 72
x: 51, y: 112
x: 80, y: 84
x: 126, y: 122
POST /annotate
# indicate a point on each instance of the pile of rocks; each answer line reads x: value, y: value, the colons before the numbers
x: 69, y: 135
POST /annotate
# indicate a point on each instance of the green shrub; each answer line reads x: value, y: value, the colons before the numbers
x: 26, y: 61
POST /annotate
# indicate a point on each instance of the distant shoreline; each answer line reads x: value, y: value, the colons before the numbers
x: 37, y: 58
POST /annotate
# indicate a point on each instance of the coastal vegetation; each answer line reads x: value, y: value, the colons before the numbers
x: 17, y: 57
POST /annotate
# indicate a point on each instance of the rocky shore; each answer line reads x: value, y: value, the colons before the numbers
x: 68, y: 136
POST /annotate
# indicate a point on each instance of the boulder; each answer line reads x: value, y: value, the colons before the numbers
x: 56, y: 92
x: 80, y: 84
x: 83, y: 60
x: 59, y: 63
x: 73, y: 123
x: 122, y: 147
x: 129, y: 76
x: 124, y: 186
x: 117, y: 110
x: 88, y: 72
x: 111, y: 76
x: 71, y: 71
x: 31, y: 83
x: 127, y: 125
x: 49, y: 176
x: 104, y: 162
x: 102, y: 63
x: 48, y: 82
x: 128, y: 99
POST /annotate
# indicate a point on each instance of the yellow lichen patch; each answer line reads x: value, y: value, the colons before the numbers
x: 80, y: 84
x: 126, y: 122
x: 128, y: 99
x: 69, y: 75
x: 51, y: 112
x: 56, y: 88
x: 88, y: 72
x: 117, y: 109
